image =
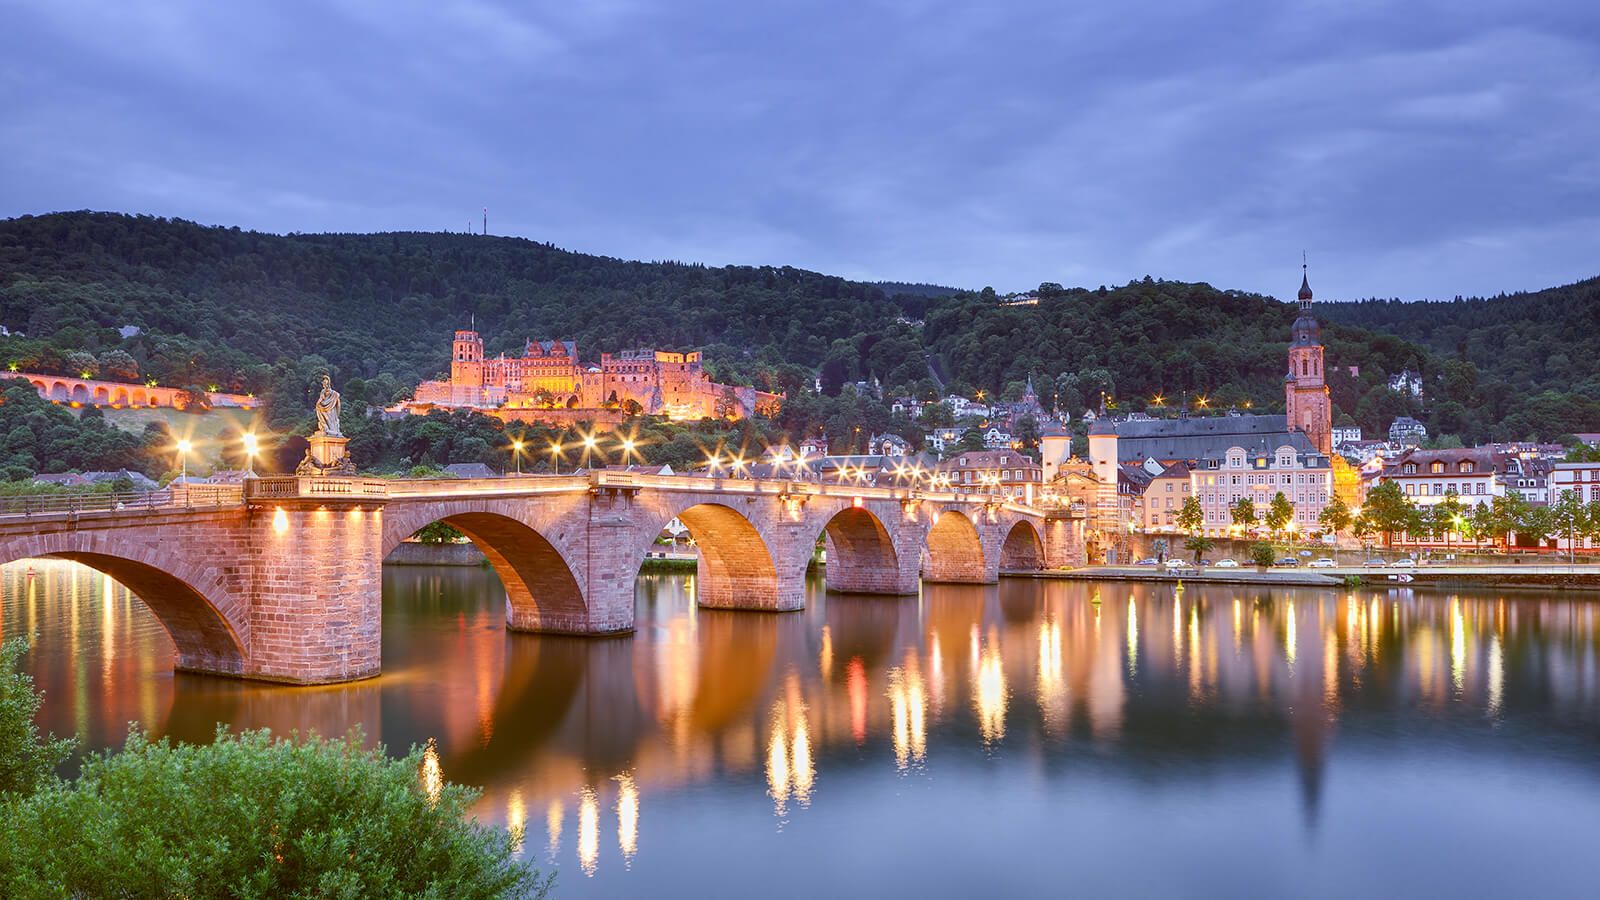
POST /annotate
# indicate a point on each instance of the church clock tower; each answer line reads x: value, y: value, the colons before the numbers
x: 1306, y: 392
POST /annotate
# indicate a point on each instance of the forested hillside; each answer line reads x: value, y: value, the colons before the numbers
x: 268, y: 313
x: 1537, y: 341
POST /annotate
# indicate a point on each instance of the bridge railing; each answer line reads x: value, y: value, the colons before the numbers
x: 288, y: 487
x: 299, y: 487
x: 191, y: 496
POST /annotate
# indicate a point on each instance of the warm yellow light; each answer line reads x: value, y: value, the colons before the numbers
x: 280, y: 521
x: 251, y: 445
x: 588, y: 441
x: 184, y: 446
x: 516, y: 445
x: 627, y: 445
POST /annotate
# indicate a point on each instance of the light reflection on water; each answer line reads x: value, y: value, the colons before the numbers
x: 971, y: 741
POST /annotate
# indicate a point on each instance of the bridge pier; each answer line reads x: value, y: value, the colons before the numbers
x: 317, y: 610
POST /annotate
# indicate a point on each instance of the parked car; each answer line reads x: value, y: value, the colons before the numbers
x: 1176, y: 563
x: 1375, y: 563
x: 1320, y: 563
x: 1288, y: 562
x: 1145, y: 562
x: 1404, y: 563
x: 1226, y: 564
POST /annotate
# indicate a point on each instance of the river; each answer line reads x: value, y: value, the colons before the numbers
x: 1031, y: 738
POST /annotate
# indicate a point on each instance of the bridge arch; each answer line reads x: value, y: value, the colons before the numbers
x: 207, y: 621
x: 80, y: 393
x: 102, y: 395
x: 542, y: 590
x: 119, y: 397
x: 863, y: 557
x: 1023, y: 548
x: 954, y: 549
x: 59, y: 391
x: 737, y: 567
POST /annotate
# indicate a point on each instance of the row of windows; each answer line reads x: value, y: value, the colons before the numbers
x: 1439, y: 488
x: 1438, y: 467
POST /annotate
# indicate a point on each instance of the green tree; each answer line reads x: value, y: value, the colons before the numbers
x: 1028, y: 433
x: 1388, y: 511
x: 1568, y: 519
x: 436, y: 533
x: 83, y: 364
x: 250, y: 816
x: 1538, y: 525
x: 1445, y: 516
x: 1199, y: 545
x: 1262, y: 554
x: 1507, y: 514
x: 27, y: 761
x: 1243, y: 512
x: 1191, y: 517
x: 1335, y: 516
x: 1280, y: 513
x: 1482, y: 521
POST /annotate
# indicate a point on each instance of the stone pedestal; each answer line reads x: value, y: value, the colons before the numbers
x: 326, y: 455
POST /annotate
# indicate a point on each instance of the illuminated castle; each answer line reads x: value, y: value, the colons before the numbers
x: 548, y: 382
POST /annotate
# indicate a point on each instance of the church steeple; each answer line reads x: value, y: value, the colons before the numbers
x: 1308, y: 406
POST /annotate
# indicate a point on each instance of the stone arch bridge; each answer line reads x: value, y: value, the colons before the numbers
x: 282, y: 580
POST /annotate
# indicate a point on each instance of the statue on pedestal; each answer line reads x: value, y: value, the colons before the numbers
x: 328, y: 409
x: 326, y: 454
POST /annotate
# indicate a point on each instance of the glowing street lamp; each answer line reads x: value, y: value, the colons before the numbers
x: 183, y: 459
x: 251, y: 447
x: 627, y: 450
x: 516, y: 453
x: 588, y: 448
x: 555, y: 457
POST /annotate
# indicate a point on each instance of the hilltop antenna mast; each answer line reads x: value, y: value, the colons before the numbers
x: 486, y: 221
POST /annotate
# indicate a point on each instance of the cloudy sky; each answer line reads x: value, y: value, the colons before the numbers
x: 1415, y: 149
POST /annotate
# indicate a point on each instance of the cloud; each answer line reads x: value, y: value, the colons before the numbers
x: 1427, y: 151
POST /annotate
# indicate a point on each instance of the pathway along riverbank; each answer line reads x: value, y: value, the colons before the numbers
x: 1576, y: 578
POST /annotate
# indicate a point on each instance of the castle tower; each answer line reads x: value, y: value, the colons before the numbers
x: 466, y: 369
x: 1305, y: 390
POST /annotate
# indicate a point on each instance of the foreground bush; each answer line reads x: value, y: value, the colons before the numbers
x: 27, y: 761
x: 250, y: 816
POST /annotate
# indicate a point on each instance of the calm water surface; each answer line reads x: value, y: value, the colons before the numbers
x: 1032, y: 738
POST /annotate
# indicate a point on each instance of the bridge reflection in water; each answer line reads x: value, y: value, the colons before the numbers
x: 961, y: 703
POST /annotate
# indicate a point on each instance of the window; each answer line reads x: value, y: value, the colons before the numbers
x: 1468, y: 467
x: 1411, y: 468
x: 1436, y: 467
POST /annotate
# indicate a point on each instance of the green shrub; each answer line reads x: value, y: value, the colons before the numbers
x: 250, y: 816
x: 1262, y: 553
x: 27, y: 761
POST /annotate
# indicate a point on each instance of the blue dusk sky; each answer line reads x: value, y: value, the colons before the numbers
x: 1413, y: 149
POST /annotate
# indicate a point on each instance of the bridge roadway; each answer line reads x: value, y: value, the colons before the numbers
x: 282, y: 580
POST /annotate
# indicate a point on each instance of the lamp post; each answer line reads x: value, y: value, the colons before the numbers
x: 588, y: 449
x: 627, y: 451
x: 183, y: 460
x: 516, y: 452
x: 251, y: 448
x: 555, y: 457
